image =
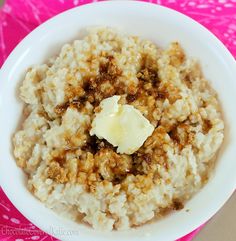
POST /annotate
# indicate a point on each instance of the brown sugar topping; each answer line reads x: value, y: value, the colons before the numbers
x: 131, y: 98
x: 96, y: 88
x: 149, y: 75
x: 109, y: 70
x: 147, y: 158
x: 181, y: 134
x: 99, y: 161
x: 61, y: 109
x: 207, y: 125
x: 57, y: 173
x: 176, y: 54
x: 111, y: 165
x: 162, y: 95
x: 177, y: 205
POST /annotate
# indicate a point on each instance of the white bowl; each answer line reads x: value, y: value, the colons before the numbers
x: 162, y: 26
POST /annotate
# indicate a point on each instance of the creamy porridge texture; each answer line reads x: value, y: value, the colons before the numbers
x: 85, y: 178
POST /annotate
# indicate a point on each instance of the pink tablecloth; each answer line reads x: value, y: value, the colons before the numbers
x: 19, y: 17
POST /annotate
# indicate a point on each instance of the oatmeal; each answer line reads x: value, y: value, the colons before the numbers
x: 85, y: 178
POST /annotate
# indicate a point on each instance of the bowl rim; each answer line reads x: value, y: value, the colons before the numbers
x: 23, y: 46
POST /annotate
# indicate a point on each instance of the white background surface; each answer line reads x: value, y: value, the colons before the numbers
x: 222, y: 227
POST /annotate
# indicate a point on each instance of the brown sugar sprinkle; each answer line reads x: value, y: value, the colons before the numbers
x: 61, y: 109
x: 112, y: 165
x: 162, y: 94
x: 109, y: 70
x: 131, y: 98
x: 170, y: 92
x: 57, y: 173
x: 99, y: 161
x: 137, y: 168
x: 144, y: 182
x: 93, y: 145
x: 97, y: 109
x: 176, y: 54
x: 73, y: 92
x: 149, y: 84
x: 181, y: 134
x: 149, y: 75
x: 207, y: 125
x: 60, y: 160
x: 177, y: 204
x: 60, y: 169
x: 95, y: 88
x: 58, y: 156
x: 188, y: 81
x: 173, y: 133
x: 147, y: 158
x: 44, y: 114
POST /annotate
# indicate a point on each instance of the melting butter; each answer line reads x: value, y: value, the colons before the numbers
x: 123, y: 126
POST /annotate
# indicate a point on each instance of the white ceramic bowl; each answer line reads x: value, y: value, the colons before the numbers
x: 153, y: 22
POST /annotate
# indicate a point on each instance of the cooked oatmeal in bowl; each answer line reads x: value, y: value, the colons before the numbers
x: 117, y: 130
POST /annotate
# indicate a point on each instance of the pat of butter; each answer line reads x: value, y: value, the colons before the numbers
x: 121, y: 125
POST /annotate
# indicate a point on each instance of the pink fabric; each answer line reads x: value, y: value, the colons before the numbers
x: 19, y: 17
